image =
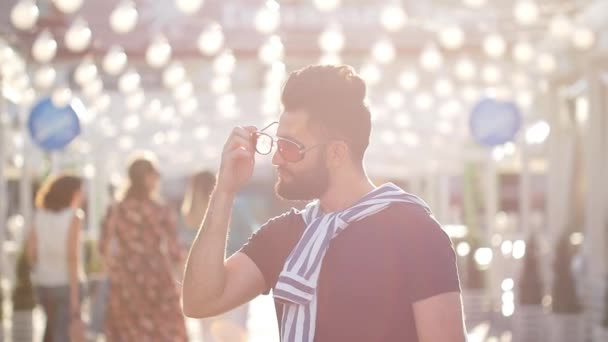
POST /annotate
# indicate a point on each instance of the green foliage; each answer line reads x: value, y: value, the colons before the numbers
x: 23, y: 293
x: 92, y: 259
x: 472, y: 200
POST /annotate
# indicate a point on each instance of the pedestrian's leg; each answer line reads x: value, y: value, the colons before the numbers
x: 45, y: 302
x: 61, y: 321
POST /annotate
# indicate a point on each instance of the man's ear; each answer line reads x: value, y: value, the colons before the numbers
x: 338, y: 153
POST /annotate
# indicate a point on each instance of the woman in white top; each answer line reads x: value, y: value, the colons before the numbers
x: 54, y: 251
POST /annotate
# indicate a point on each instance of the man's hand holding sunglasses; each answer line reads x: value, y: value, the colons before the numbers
x: 238, y: 160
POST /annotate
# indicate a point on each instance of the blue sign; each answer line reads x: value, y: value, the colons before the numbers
x: 53, y: 128
x: 494, y: 123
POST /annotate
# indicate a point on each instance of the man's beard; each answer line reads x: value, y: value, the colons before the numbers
x: 305, y: 186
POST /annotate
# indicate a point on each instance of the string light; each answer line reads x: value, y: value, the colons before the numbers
x: 24, y: 14
x: 78, y: 36
x: 124, y: 17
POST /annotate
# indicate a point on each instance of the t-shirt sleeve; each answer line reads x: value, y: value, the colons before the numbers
x: 270, y: 245
x: 431, y: 265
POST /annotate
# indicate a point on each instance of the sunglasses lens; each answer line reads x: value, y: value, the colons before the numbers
x: 263, y: 143
x: 289, y: 150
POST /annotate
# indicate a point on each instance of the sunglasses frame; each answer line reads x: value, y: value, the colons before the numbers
x: 274, y: 141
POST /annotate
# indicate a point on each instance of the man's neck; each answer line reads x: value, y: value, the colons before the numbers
x: 345, y: 192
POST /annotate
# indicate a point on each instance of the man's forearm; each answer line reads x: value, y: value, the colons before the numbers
x: 204, y: 275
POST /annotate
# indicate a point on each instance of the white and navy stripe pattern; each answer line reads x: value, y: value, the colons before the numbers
x: 296, y: 287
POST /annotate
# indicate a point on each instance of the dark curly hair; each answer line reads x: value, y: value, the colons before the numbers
x: 57, y: 192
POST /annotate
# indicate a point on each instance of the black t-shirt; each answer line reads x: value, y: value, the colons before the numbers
x: 372, y: 273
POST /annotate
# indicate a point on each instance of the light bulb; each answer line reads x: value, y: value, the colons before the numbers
x: 136, y: 100
x: 93, y: 88
x: 267, y: 18
x: 470, y: 94
x: 44, y: 47
x: 583, y: 38
x: 561, y: 26
x: 330, y: 59
x: 129, y: 82
x: 431, y: 58
x: 331, y: 40
x: 475, y: 3
x: 494, y: 45
x: 115, y: 60
x: 491, y: 74
x: 45, y: 77
x: 173, y: 75
x: 211, y: 40
x: 384, y: 51
x: 124, y: 17
x: 424, y: 101
x: 24, y: 14
x: 102, y: 103
x: 465, y: 69
x: 188, y: 6
x: 546, y: 63
x: 68, y: 6
x: 183, y: 91
x: 78, y: 36
x: 408, y: 80
x: 188, y: 106
x: 395, y: 99
x: 85, y: 72
x: 371, y: 73
x: 272, y: 50
x: 526, y: 12
x: 61, y: 97
x: 523, y: 52
x: 451, y: 37
x: 393, y: 18
x: 158, y: 52
x: 326, y: 5
x: 224, y: 63
x: 443, y: 87
x: 220, y: 84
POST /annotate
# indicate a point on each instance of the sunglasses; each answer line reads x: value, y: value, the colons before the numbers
x: 291, y: 151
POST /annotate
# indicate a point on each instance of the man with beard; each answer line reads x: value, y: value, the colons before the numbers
x: 359, y: 263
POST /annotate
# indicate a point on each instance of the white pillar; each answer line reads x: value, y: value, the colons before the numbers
x: 443, y: 204
x: 490, y: 196
x: 490, y: 200
x: 430, y: 190
x: 25, y: 179
x: 595, y: 172
x: 564, y: 157
x: 3, y: 193
x: 525, y: 193
x: 594, y: 215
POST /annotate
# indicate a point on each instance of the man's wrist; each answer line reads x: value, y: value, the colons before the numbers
x: 222, y: 194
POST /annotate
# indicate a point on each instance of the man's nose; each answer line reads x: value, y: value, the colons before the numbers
x: 277, y: 159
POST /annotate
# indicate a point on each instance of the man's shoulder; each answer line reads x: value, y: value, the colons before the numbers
x: 408, y: 221
x: 407, y: 212
x: 285, y: 219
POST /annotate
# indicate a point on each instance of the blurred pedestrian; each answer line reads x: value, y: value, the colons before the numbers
x: 140, y: 248
x: 54, y: 250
